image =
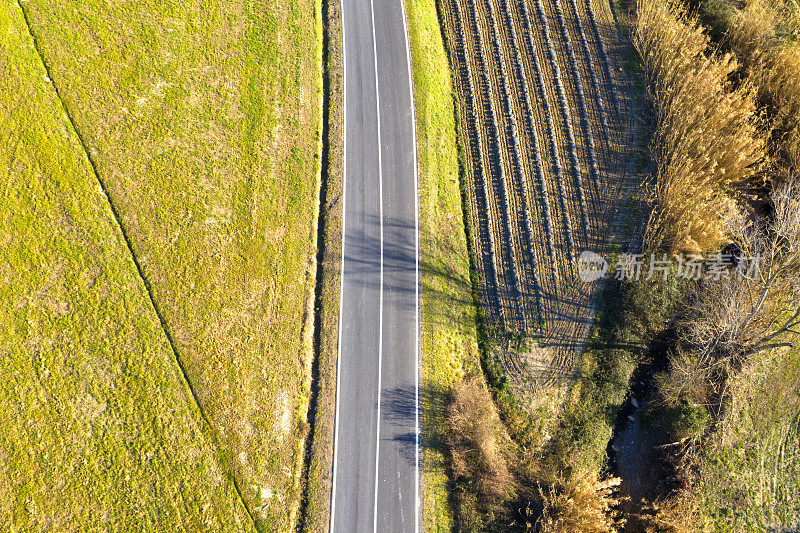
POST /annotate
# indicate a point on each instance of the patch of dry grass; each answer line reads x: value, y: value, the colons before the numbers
x: 484, y: 482
x: 751, y: 467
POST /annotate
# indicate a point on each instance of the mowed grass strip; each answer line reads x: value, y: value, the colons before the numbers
x: 202, y: 119
x: 99, y: 429
x: 449, y: 336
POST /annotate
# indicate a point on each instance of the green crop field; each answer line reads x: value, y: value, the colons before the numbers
x: 202, y: 121
x: 98, y: 425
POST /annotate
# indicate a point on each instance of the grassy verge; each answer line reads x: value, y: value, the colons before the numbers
x: 203, y: 122
x: 449, y: 337
x: 318, y: 485
x: 99, y: 427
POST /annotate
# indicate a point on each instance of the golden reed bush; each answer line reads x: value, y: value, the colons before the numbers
x: 583, y: 505
x: 765, y: 34
x: 484, y: 481
x: 707, y: 140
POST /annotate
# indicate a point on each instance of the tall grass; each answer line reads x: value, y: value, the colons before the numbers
x: 707, y: 141
x: 483, y: 479
x: 766, y: 36
x: 584, y: 505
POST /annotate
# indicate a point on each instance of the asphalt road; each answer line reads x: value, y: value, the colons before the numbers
x: 376, y: 452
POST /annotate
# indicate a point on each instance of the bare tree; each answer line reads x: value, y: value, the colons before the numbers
x: 757, y: 307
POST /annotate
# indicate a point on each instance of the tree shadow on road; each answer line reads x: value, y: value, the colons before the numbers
x: 442, y: 284
x: 398, y: 409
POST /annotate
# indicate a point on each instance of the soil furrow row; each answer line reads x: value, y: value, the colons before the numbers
x: 583, y: 118
x: 545, y: 93
x: 518, y: 196
x: 499, y: 127
x: 481, y: 208
x: 496, y: 186
x: 532, y: 158
x: 603, y: 53
x: 515, y: 62
x: 566, y: 122
x: 557, y: 38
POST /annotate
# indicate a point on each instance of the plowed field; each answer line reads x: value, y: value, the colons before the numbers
x: 546, y: 120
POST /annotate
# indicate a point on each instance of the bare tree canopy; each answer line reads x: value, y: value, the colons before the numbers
x: 747, y: 312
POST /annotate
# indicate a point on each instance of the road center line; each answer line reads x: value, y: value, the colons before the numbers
x: 380, y: 303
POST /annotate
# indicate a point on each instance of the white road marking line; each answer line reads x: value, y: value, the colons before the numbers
x: 416, y: 271
x: 341, y: 266
x: 380, y: 301
x: 416, y: 267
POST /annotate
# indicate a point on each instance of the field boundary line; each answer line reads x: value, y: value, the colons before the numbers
x: 136, y: 263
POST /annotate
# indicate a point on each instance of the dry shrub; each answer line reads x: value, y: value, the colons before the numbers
x: 583, y: 505
x: 740, y: 315
x: 687, y: 378
x: 765, y: 35
x: 680, y: 513
x: 707, y: 140
x: 483, y: 479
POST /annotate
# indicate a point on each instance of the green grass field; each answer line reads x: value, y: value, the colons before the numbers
x: 449, y: 336
x: 99, y: 429
x: 202, y: 120
x: 750, y: 469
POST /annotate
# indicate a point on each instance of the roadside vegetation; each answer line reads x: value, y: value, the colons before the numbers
x: 99, y: 427
x: 449, y: 314
x: 318, y: 482
x: 202, y: 122
x: 712, y: 361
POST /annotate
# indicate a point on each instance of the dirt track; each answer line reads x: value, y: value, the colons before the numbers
x: 545, y: 114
